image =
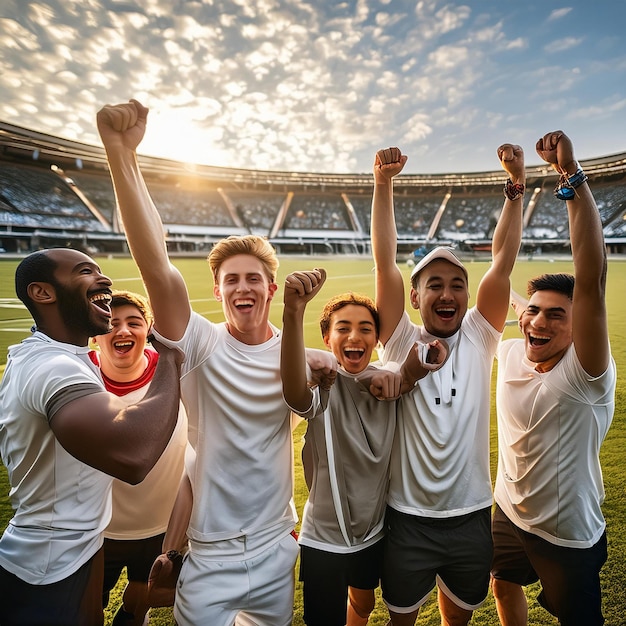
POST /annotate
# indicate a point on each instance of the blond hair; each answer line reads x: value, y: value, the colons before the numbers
x: 258, y: 247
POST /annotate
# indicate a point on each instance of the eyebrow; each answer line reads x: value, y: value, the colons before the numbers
x: 136, y: 316
x: 246, y: 274
x: 361, y: 323
x: 553, y: 309
x: 82, y: 264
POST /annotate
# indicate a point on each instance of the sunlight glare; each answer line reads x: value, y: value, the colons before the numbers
x: 174, y: 134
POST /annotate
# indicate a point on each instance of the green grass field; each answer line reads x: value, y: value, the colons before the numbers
x: 355, y: 274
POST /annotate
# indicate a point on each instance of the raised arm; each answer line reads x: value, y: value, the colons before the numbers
x: 121, y: 129
x: 590, y: 327
x: 300, y: 288
x: 123, y: 441
x: 492, y: 297
x: 389, y: 281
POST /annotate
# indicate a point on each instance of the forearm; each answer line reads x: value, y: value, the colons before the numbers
x: 383, y: 227
x: 389, y: 279
x: 587, y: 239
x: 141, y: 220
x: 293, y: 361
x: 176, y: 534
x: 147, y: 426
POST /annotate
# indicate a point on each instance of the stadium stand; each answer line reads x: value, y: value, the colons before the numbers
x: 58, y: 192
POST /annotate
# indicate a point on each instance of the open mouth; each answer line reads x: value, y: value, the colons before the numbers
x: 102, y: 301
x: 353, y: 355
x: 446, y: 314
x: 537, y: 341
x: 123, y: 346
x: 244, y: 305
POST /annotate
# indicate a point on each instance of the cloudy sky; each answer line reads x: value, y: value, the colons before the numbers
x: 320, y: 85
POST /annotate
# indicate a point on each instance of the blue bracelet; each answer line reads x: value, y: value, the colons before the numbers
x: 565, y: 187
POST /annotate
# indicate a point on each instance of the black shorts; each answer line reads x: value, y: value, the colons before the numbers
x: 327, y: 576
x: 136, y: 555
x: 420, y: 552
x: 73, y: 601
x: 570, y: 577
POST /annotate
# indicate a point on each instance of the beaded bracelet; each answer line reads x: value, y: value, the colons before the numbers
x: 512, y: 190
x: 564, y: 189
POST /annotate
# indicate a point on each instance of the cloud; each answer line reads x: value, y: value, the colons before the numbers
x: 560, y: 45
x: 291, y: 84
x: 557, y: 14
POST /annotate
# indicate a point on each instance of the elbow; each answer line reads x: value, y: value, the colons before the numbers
x: 132, y: 475
x: 134, y: 470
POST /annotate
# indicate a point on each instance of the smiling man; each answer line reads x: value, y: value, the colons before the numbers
x: 439, y: 513
x: 347, y: 449
x: 555, y: 401
x: 242, y: 551
x: 134, y: 536
x: 61, y: 433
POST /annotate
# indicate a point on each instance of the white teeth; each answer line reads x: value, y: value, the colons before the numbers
x: 101, y: 297
x: 123, y: 344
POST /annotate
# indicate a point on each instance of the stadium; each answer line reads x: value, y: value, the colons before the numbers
x: 55, y: 192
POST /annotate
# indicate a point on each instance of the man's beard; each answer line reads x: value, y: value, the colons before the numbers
x: 77, y: 313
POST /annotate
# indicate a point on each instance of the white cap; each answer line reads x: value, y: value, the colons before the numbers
x: 440, y: 252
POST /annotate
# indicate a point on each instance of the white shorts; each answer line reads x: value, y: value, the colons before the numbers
x: 251, y: 592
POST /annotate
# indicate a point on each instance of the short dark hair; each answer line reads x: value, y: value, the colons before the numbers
x: 561, y: 283
x: 36, y: 267
x: 344, y: 299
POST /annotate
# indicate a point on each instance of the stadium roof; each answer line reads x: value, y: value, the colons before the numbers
x: 18, y: 143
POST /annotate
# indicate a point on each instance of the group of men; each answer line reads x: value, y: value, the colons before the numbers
x: 63, y: 434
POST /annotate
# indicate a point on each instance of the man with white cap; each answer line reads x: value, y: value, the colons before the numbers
x: 438, y: 521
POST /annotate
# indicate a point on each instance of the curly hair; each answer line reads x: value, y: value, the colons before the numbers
x: 344, y: 299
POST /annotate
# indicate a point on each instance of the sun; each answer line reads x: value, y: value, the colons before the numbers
x: 172, y: 134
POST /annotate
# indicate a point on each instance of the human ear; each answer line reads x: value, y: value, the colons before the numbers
x: 42, y: 293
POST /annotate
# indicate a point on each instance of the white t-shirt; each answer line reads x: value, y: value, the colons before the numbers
x: 61, y: 504
x: 143, y: 510
x: 440, y: 460
x: 240, y: 428
x: 350, y: 434
x: 550, y: 429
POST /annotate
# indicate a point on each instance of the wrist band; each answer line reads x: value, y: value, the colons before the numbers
x: 564, y: 189
x: 173, y: 555
x: 512, y: 190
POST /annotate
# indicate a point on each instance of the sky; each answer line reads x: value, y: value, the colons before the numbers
x: 319, y: 86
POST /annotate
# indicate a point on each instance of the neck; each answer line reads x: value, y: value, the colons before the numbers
x: 63, y: 336
x: 253, y: 338
x: 546, y: 366
x: 124, y: 375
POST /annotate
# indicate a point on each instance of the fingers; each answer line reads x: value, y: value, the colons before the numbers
x: 389, y: 162
x: 388, y: 156
x: 509, y: 151
x: 306, y: 282
x: 121, y: 117
x: 386, y: 385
